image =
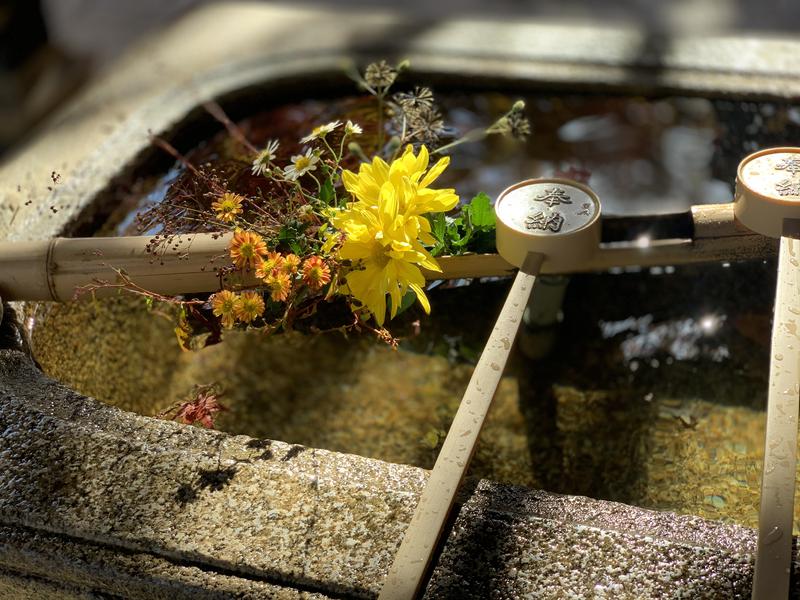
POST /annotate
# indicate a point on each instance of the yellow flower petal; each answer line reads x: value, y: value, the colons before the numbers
x: 423, y: 299
x: 435, y: 171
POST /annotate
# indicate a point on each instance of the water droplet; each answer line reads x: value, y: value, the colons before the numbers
x: 779, y: 356
x: 506, y: 343
x: 791, y: 327
x: 495, y: 366
x: 773, y: 535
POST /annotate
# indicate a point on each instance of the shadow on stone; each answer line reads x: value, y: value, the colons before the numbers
x: 216, y: 479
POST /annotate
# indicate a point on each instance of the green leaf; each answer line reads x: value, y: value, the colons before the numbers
x: 438, y: 225
x: 481, y: 213
x: 326, y: 192
x: 291, y: 237
x: 483, y: 242
x: 460, y: 242
x: 407, y: 302
x: 439, y: 232
x: 473, y: 230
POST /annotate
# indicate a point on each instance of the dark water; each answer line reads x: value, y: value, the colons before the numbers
x: 641, y: 155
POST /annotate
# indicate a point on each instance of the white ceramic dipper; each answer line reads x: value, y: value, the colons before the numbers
x: 768, y: 202
x: 553, y: 220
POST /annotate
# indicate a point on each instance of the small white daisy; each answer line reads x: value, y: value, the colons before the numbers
x: 351, y: 128
x: 320, y: 131
x: 268, y: 154
x: 301, y: 164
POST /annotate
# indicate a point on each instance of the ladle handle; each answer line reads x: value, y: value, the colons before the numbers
x: 774, y: 551
x: 408, y: 572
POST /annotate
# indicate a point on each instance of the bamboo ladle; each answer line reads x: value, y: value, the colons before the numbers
x: 538, y: 221
x: 768, y: 202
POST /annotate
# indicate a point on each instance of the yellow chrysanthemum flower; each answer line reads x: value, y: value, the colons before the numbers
x: 387, y: 254
x: 409, y: 178
x: 384, y: 229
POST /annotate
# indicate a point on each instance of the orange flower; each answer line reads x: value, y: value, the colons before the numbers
x: 247, y: 248
x: 316, y: 272
x: 280, y: 284
x: 291, y: 262
x: 228, y: 206
x: 249, y: 305
x: 277, y: 260
x: 266, y: 267
x: 223, y: 305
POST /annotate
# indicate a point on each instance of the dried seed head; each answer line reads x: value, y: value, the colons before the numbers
x: 380, y: 75
x: 410, y: 101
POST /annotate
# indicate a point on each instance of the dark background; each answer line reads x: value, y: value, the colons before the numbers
x: 50, y: 48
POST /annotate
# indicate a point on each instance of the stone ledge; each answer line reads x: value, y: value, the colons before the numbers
x: 21, y: 587
x: 76, y: 568
x: 513, y: 543
x: 96, y: 499
x: 303, y: 517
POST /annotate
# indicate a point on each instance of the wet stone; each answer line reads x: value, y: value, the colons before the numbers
x: 315, y: 519
x: 100, y: 500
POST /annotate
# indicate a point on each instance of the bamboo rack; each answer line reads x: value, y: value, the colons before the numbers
x: 53, y: 269
x: 407, y: 574
x: 776, y: 513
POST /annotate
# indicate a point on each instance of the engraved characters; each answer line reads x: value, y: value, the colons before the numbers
x: 548, y: 219
x: 544, y: 222
x: 791, y: 185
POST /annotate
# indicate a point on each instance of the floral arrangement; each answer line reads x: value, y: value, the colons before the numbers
x: 337, y: 230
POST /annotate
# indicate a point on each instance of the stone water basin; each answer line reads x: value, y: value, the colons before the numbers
x: 653, y: 395
x: 97, y: 501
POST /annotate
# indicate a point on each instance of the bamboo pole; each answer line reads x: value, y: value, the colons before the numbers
x: 53, y: 269
x: 767, y: 201
x: 776, y: 515
x: 408, y: 571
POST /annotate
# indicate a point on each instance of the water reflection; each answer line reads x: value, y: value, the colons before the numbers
x: 681, y: 339
x: 641, y: 155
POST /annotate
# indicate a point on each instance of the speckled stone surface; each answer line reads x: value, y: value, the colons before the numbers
x: 304, y: 517
x: 512, y: 543
x: 83, y: 570
x: 105, y: 501
x: 20, y: 587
